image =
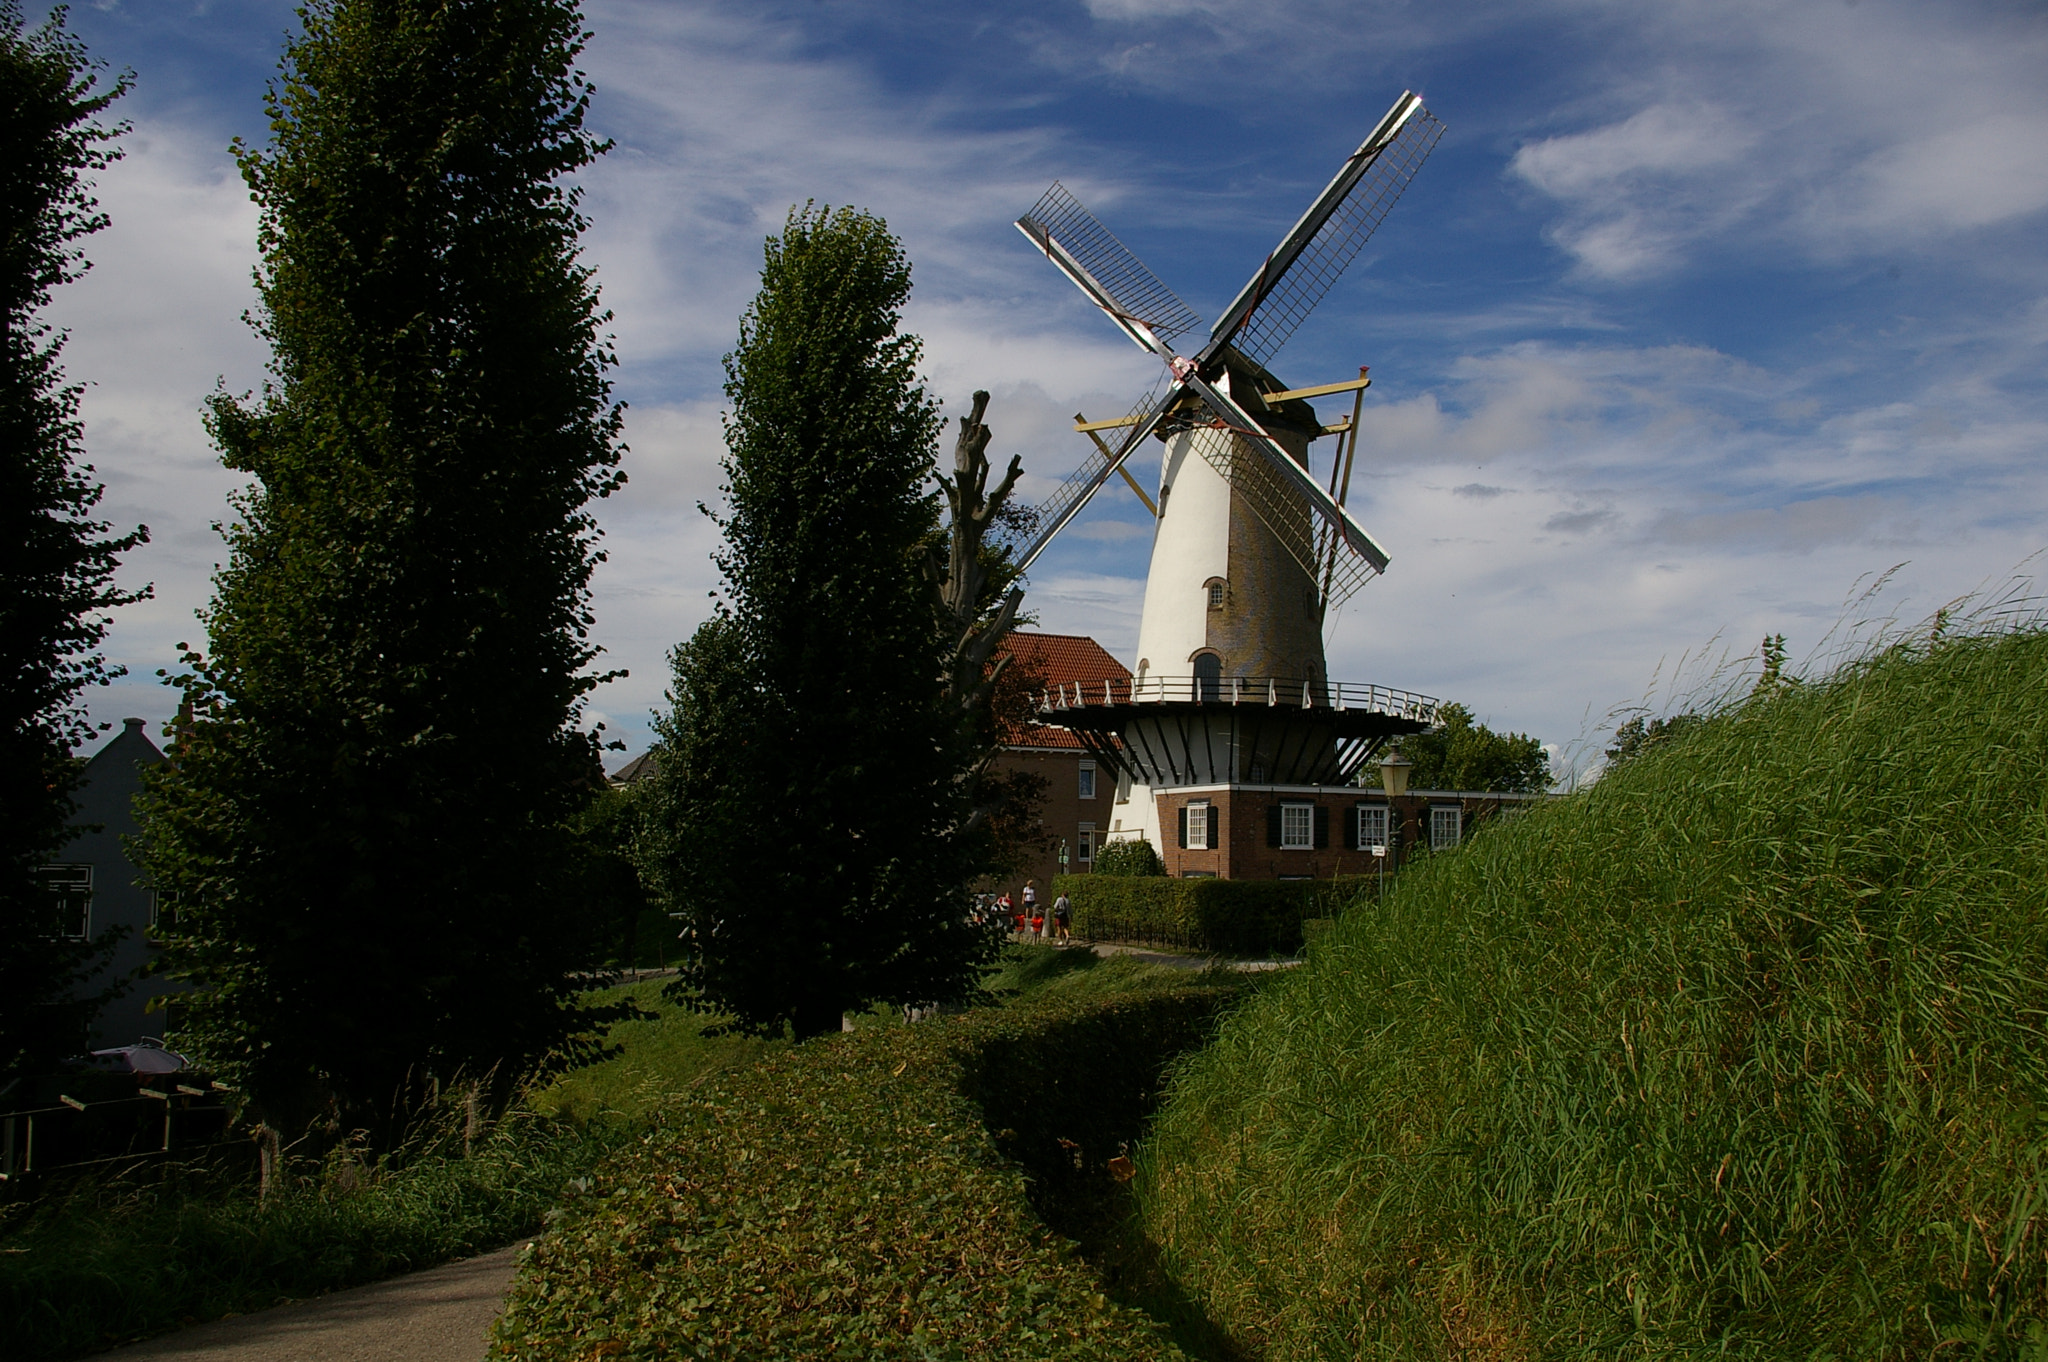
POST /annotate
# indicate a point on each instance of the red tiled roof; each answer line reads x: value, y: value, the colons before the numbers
x: 1059, y: 660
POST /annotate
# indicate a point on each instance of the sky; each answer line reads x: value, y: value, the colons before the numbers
x: 1702, y: 317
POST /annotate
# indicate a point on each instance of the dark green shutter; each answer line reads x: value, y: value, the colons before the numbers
x: 1322, y: 827
x: 1272, y: 825
x: 1183, y: 827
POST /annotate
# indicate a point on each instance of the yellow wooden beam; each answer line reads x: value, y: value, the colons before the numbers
x: 1337, y: 427
x: 1090, y: 427
x: 1109, y: 453
x: 1321, y: 390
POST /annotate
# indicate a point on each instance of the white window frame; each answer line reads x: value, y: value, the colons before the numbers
x: 1087, y: 781
x: 1201, y: 825
x: 69, y: 880
x: 1369, y: 814
x: 1297, y: 827
x: 1446, y: 826
x: 1084, y: 843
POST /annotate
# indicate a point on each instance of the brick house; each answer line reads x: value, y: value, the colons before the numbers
x: 1311, y: 831
x: 1082, y: 802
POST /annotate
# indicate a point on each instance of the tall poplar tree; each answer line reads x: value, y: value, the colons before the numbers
x: 57, y: 563
x: 365, y: 816
x: 810, y: 818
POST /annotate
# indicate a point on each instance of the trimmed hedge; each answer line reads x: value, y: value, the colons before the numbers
x: 861, y: 1196
x: 1229, y: 917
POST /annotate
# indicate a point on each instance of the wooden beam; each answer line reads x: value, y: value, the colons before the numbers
x: 1321, y: 390
x: 1337, y: 427
x: 1090, y: 427
x: 1109, y: 453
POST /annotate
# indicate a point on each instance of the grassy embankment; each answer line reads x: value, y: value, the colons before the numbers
x: 895, y: 1192
x: 1739, y: 1052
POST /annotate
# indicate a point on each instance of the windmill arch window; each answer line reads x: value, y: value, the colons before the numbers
x: 1216, y: 587
x: 1208, y: 676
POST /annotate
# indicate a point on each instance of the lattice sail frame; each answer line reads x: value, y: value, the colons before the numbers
x: 1137, y: 293
x: 1315, y: 270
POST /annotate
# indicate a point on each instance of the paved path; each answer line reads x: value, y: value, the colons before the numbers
x: 443, y: 1314
x: 1175, y: 960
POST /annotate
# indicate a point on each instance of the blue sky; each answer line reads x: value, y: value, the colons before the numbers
x: 1701, y: 314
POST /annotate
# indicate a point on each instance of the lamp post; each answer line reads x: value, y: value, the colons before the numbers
x: 1394, y: 769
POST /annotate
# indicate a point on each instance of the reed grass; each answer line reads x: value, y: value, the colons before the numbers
x: 1737, y: 1052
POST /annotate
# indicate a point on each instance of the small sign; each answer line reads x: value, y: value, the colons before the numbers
x: 1380, y: 849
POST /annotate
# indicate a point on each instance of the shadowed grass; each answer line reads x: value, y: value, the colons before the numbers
x: 1739, y: 1052
x: 657, y: 1057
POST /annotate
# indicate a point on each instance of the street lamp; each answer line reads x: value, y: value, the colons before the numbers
x: 1394, y: 769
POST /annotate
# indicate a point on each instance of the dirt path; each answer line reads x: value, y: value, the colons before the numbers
x: 443, y: 1314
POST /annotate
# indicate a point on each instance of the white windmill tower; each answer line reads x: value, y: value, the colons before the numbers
x: 1230, y: 695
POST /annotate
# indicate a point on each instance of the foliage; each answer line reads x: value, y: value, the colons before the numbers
x: 125, y: 1257
x: 1131, y: 856
x: 662, y: 1049
x: 1737, y: 1052
x: 1640, y: 733
x: 855, y: 1196
x: 366, y: 814
x: 629, y: 929
x: 1457, y: 754
x: 1230, y: 917
x: 56, y: 562
x: 808, y: 818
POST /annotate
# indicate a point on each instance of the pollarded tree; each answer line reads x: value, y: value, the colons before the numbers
x: 366, y: 817
x: 808, y: 819
x: 56, y: 562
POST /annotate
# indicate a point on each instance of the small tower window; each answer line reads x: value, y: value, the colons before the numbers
x: 1215, y: 593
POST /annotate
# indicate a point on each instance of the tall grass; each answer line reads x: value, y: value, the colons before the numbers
x: 1739, y: 1051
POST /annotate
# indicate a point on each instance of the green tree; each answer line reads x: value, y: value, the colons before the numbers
x: 57, y: 563
x: 1641, y: 733
x: 1458, y: 754
x: 1131, y: 857
x: 809, y: 821
x: 368, y: 814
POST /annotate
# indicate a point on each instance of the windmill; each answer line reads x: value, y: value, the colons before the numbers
x: 1250, y: 550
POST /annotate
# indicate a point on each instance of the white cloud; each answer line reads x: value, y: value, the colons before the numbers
x: 1834, y: 130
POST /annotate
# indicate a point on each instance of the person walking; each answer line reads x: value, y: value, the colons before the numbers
x: 1034, y: 922
x: 1063, y: 919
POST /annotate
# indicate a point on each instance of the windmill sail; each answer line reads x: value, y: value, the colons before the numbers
x: 1089, y: 253
x: 1081, y: 485
x: 1329, y: 236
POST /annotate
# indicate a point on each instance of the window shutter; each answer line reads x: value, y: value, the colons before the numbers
x: 1183, y: 827
x: 1272, y: 825
x: 1322, y: 827
x: 1358, y: 842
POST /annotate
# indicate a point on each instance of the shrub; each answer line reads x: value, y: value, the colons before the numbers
x: 1737, y: 1052
x: 856, y: 1197
x: 1229, y: 917
x: 1132, y: 857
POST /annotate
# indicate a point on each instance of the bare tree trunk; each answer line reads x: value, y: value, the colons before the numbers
x: 963, y: 578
